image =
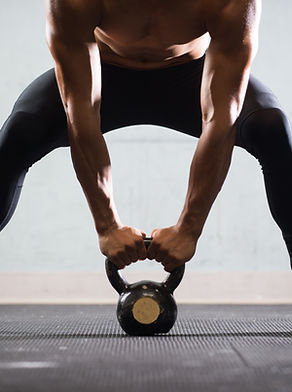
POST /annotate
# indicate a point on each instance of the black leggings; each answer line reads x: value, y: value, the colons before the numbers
x: 168, y: 97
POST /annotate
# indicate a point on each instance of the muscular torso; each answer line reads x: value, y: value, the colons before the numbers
x: 147, y: 34
x: 153, y: 33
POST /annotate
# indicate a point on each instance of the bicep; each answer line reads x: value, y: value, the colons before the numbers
x: 234, y: 41
x: 78, y: 72
x: 224, y: 83
x: 70, y: 37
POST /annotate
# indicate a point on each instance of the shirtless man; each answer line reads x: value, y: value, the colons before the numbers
x: 185, y: 65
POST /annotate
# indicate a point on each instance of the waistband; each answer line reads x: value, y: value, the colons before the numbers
x: 192, y: 65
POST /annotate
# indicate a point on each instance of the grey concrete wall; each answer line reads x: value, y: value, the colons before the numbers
x: 52, y: 229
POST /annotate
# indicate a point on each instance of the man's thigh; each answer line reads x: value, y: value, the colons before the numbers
x: 37, y: 124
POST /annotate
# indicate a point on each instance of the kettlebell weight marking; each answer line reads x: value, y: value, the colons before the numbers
x: 146, y: 310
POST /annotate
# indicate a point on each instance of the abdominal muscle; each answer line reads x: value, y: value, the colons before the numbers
x: 149, y: 53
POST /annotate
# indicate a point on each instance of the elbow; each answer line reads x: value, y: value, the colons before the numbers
x: 78, y: 135
x: 83, y: 126
x: 224, y: 122
x: 220, y: 132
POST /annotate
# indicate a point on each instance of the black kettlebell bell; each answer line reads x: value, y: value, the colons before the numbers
x: 145, y: 307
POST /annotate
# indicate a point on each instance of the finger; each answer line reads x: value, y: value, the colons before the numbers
x: 152, y: 251
x: 153, y: 232
x: 117, y: 262
x: 162, y: 257
x: 170, y: 260
x: 123, y: 258
x: 141, y: 250
x: 170, y: 263
x: 132, y: 254
x: 169, y: 267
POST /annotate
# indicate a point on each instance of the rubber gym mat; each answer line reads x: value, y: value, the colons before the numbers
x: 82, y: 348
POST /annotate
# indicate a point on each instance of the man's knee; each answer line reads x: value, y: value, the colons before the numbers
x: 269, y: 129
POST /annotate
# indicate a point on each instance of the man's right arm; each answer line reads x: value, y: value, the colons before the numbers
x: 70, y: 36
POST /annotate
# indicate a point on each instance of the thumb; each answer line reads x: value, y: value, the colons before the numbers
x: 153, y: 233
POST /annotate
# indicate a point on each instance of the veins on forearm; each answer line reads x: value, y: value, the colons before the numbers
x: 208, y: 171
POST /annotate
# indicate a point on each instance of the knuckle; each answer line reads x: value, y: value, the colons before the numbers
x: 117, y: 263
x: 139, y: 242
x: 120, y: 253
x: 130, y: 250
x: 163, y: 254
x: 112, y: 257
x: 113, y: 260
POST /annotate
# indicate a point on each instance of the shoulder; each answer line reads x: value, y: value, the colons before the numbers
x: 230, y: 8
x: 232, y: 20
x: 73, y: 16
x: 73, y: 7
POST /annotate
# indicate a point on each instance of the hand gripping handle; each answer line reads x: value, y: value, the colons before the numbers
x: 120, y: 284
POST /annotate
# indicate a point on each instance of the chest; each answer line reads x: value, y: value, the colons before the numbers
x: 164, y: 21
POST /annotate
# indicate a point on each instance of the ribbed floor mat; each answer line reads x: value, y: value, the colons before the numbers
x: 82, y: 348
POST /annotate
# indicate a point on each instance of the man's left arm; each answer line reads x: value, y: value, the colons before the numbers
x: 234, y: 36
x: 225, y: 78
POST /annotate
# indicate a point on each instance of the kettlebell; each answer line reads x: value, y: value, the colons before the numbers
x: 145, y: 307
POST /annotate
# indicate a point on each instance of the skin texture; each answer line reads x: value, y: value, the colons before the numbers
x: 150, y: 35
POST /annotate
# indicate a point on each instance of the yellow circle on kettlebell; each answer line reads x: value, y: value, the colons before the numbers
x: 146, y: 310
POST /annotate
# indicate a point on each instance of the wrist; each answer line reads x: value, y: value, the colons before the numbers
x: 190, y: 224
x: 105, y: 228
x: 107, y: 221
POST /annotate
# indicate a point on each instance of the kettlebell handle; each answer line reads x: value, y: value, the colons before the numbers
x: 174, y: 278
x: 120, y: 284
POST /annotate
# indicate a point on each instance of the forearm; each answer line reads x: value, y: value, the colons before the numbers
x: 70, y: 36
x: 208, y: 171
x: 93, y: 167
